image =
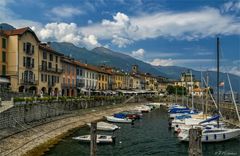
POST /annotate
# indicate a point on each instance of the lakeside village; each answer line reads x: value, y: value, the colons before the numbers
x: 31, y: 68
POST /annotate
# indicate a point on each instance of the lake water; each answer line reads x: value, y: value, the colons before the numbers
x: 148, y: 136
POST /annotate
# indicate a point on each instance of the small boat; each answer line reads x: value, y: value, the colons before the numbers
x: 118, y: 120
x: 101, y: 139
x: 155, y: 105
x: 213, y: 135
x: 132, y: 115
x: 104, y: 126
x: 143, y: 109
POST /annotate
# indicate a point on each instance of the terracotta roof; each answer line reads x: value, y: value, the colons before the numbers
x: 20, y: 31
x: 91, y: 67
x: 49, y: 49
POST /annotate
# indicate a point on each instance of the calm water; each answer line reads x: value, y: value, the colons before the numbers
x: 149, y: 136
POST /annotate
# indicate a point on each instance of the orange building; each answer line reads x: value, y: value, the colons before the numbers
x: 68, y: 78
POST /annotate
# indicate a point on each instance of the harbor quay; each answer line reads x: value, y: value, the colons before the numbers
x: 27, y: 137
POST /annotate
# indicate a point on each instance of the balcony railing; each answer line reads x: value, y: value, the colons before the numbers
x: 47, y: 69
x: 28, y: 82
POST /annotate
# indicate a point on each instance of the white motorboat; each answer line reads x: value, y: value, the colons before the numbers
x: 118, y: 120
x: 143, y: 109
x: 101, y: 139
x: 104, y: 126
x: 212, y: 135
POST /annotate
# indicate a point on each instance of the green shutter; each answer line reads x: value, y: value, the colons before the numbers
x: 4, y: 43
x: 4, y: 56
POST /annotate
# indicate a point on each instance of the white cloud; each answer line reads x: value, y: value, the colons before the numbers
x: 65, y: 11
x: 121, y: 41
x: 231, y: 6
x: 179, y: 62
x: 192, y: 25
x: 92, y: 40
x: 138, y: 53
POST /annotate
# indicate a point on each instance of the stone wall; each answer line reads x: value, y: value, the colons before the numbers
x: 26, y: 113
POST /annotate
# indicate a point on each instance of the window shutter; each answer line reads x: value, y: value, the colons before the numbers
x: 32, y: 49
x: 24, y: 46
x: 32, y: 63
x: 24, y: 61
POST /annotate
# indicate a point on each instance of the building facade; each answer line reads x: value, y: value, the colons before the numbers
x: 4, y: 82
x: 50, y: 69
x: 23, y: 60
x: 68, y: 79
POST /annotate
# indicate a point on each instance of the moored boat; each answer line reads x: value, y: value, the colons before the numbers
x: 213, y: 135
x: 101, y: 139
x: 118, y: 120
x: 104, y: 126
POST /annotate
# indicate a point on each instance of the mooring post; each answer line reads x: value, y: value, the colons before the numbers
x: 93, y: 147
x: 195, y: 144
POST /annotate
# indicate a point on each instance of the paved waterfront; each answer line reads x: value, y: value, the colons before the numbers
x: 25, y: 143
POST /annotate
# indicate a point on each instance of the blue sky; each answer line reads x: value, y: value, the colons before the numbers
x: 160, y: 32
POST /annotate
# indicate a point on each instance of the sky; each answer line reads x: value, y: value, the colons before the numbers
x: 159, y: 32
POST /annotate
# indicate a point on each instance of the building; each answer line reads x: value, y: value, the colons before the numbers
x: 135, y: 82
x: 22, y: 60
x: 50, y: 71
x: 163, y: 82
x: 68, y: 79
x: 88, y: 78
x: 188, y: 81
x: 126, y: 81
x: 4, y: 82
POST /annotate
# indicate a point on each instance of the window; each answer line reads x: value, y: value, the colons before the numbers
x: 42, y: 78
x: 64, y: 81
x: 56, y: 67
x: 4, y: 70
x: 4, y: 43
x: 81, y: 72
x: 49, y: 65
x: 45, y: 78
x: 44, y: 55
x: 51, y: 57
x: 56, y: 58
x: 27, y: 48
x: 73, y: 82
x: 68, y: 81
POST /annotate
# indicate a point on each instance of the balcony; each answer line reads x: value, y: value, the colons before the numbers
x: 29, y: 65
x: 47, y: 69
x: 28, y: 82
x: 80, y: 84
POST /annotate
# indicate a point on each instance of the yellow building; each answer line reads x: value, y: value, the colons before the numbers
x: 50, y: 69
x: 22, y: 58
x: 117, y: 80
x: 150, y: 82
x: 188, y: 81
x: 103, y: 80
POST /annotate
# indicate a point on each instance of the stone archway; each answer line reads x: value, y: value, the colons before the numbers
x: 44, y: 90
x: 21, y: 89
x: 32, y: 89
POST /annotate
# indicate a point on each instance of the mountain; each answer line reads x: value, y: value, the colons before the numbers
x: 101, y: 55
x: 5, y: 26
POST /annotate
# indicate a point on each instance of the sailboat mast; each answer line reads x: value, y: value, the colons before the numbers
x: 218, y: 58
